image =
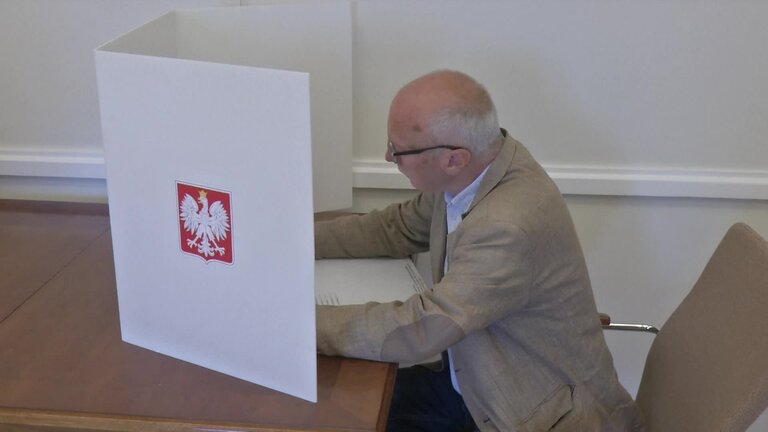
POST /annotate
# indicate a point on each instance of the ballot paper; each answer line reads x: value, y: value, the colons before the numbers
x: 358, y: 281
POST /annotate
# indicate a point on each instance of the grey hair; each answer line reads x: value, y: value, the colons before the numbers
x: 474, y: 126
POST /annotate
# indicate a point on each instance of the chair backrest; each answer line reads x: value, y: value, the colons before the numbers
x: 707, y: 369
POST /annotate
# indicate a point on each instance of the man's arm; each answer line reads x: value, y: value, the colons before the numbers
x: 490, y: 277
x: 399, y: 230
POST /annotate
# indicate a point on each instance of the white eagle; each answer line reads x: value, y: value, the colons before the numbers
x: 208, y: 224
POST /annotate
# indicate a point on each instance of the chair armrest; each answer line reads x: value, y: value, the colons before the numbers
x: 605, y: 320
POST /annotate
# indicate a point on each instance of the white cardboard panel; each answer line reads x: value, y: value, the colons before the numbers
x: 316, y: 38
x: 307, y: 37
x: 241, y: 129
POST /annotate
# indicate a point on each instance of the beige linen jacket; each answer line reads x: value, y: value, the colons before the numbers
x: 515, y: 306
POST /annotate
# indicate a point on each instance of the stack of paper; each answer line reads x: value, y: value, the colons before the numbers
x: 358, y: 281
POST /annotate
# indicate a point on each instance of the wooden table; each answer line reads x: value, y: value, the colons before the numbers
x: 63, y: 366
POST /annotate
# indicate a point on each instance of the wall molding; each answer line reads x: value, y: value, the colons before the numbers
x: 620, y: 181
x: 88, y: 163
x: 81, y: 163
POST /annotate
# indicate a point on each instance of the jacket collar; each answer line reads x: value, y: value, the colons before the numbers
x: 497, y: 170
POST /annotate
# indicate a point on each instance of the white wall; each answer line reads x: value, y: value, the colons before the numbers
x: 650, y: 98
x: 631, y: 98
x: 49, y: 114
x: 649, y: 115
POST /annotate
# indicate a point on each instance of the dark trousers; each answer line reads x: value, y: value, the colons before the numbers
x: 424, y: 401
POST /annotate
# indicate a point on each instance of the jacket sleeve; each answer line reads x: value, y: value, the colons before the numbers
x: 399, y: 230
x: 489, y: 277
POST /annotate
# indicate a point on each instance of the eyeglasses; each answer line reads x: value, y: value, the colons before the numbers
x: 395, y: 154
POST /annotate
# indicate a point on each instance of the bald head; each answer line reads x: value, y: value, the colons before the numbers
x: 446, y: 108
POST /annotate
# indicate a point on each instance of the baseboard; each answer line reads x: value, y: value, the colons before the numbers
x: 375, y: 174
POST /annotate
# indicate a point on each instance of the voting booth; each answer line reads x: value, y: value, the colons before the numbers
x: 212, y: 120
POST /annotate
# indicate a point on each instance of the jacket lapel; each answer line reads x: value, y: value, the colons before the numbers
x: 497, y: 171
x: 437, y: 234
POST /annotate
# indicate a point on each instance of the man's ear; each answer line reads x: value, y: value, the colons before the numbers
x: 454, y: 161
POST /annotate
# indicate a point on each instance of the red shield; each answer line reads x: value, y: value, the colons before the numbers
x: 205, y: 222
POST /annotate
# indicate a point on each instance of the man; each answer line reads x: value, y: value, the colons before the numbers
x: 511, y: 304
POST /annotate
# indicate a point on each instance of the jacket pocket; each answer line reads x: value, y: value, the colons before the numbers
x: 552, y: 411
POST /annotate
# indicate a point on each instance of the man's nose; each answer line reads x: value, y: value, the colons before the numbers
x: 388, y: 156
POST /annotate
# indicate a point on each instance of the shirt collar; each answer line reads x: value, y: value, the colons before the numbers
x: 462, y: 200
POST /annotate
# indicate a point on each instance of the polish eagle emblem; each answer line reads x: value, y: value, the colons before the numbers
x: 205, y: 226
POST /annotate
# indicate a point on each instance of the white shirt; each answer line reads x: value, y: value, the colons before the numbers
x: 455, y: 207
